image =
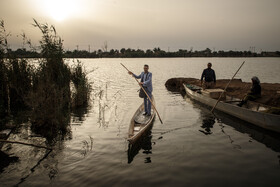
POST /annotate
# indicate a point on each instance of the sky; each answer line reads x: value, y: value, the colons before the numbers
x: 145, y: 24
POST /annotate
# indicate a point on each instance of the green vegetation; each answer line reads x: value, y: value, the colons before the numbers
x: 51, y: 95
x: 80, y: 96
x: 155, y: 53
x: 43, y: 89
x: 4, y: 100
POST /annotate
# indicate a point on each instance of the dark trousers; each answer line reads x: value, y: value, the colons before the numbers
x: 147, y: 103
x: 249, y: 97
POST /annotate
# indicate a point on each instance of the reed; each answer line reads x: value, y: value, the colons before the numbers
x: 50, y: 99
x: 81, y: 84
x: 3, y: 72
x: 44, y: 90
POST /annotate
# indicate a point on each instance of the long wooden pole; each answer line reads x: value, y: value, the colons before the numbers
x: 226, y: 87
x: 146, y: 94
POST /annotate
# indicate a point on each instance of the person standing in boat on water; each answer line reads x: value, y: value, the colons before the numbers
x: 209, y: 77
x: 146, y: 82
x: 255, y: 92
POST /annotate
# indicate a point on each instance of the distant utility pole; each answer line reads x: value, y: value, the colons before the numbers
x: 252, y: 49
x: 89, y: 48
x: 105, y: 46
x: 77, y: 47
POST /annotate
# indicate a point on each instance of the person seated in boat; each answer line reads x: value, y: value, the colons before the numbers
x: 254, y: 93
x: 146, y: 83
x: 209, y: 77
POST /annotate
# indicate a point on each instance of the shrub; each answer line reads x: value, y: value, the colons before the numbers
x: 44, y: 89
x: 51, y: 85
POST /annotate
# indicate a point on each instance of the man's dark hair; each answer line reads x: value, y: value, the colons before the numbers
x: 146, y: 65
x: 209, y: 63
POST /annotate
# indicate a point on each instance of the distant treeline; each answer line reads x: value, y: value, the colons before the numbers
x: 138, y: 53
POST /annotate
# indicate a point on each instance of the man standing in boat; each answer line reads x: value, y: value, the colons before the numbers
x: 209, y: 77
x: 146, y: 83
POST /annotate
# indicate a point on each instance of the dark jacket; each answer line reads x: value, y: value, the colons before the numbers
x: 209, y: 75
x: 256, y: 90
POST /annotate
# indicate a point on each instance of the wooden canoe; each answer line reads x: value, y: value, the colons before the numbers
x: 253, y: 113
x: 139, y: 123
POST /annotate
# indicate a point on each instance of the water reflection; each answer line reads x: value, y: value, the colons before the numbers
x: 268, y: 138
x: 34, y: 167
x: 6, y: 160
x: 42, y: 160
x: 79, y: 114
x: 30, y: 158
x: 145, y: 143
x: 208, y: 121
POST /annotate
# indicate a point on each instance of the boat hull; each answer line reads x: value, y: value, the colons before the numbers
x: 136, y: 130
x: 261, y: 119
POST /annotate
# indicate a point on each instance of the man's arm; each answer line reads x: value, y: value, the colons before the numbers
x: 202, y: 76
x: 148, y: 81
x: 137, y: 77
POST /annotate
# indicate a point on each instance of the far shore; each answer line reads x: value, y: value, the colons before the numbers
x: 149, y: 53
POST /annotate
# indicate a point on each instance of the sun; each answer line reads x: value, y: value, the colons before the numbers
x: 60, y: 10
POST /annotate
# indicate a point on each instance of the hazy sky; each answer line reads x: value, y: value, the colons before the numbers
x: 173, y: 24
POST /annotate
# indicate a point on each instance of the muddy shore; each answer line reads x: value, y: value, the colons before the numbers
x: 237, y: 88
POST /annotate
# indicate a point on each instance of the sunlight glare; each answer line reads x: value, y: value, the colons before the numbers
x: 60, y: 10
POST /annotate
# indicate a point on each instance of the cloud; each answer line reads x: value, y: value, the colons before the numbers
x: 231, y: 24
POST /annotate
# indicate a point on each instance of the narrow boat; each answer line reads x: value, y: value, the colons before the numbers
x: 252, y: 112
x: 139, y: 123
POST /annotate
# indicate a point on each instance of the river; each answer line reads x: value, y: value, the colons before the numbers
x: 191, y: 147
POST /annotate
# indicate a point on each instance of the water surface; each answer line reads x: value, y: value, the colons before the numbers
x: 192, y: 147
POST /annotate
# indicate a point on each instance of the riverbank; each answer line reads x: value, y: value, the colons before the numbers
x: 237, y: 88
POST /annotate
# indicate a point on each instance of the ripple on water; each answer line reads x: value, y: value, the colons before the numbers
x: 189, y: 148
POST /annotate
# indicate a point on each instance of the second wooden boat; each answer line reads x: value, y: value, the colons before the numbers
x: 254, y: 113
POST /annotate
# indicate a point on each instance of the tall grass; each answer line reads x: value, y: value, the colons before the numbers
x: 3, y: 72
x: 50, y: 99
x: 44, y: 89
x: 20, y: 85
x: 82, y: 87
x: 15, y: 80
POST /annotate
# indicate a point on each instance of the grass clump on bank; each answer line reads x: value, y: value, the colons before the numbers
x: 3, y: 72
x: 82, y: 87
x: 44, y: 90
x: 50, y: 99
x: 15, y: 79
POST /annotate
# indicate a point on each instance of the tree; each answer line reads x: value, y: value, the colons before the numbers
x: 122, y: 50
